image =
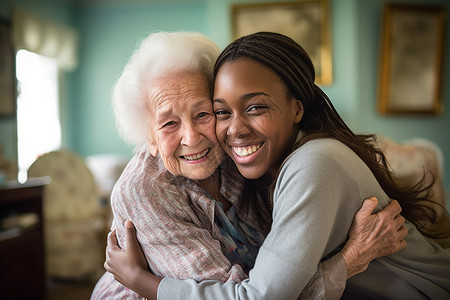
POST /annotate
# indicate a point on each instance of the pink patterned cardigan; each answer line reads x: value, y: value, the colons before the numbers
x: 174, y: 219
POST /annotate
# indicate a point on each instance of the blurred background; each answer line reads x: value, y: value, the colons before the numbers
x: 64, y: 107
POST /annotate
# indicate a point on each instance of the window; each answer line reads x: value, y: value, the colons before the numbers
x: 38, y: 123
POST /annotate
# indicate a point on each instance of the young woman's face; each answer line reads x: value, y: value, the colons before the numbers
x: 256, y: 117
x: 182, y: 125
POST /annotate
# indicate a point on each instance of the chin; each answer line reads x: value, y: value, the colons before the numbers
x: 200, y: 175
x: 250, y: 173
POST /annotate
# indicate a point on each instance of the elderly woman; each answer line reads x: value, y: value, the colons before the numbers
x: 186, y: 200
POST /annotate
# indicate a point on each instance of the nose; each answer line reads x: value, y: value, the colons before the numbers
x: 238, y: 127
x: 190, y: 135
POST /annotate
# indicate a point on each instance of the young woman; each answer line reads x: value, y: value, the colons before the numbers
x: 183, y: 197
x: 276, y: 123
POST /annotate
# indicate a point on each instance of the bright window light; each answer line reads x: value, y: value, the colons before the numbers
x: 38, y: 124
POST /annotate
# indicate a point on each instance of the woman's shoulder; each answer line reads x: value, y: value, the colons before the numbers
x: 143, y: 166
x: 325, y: 155
x: 145, y: 175
x: 332, y: 159
x: 323, y: 147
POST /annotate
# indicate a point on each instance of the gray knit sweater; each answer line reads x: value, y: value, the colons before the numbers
x: 320, y: 188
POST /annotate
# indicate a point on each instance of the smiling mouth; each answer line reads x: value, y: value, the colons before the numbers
x: 197, y: 156
x: 246, y: 151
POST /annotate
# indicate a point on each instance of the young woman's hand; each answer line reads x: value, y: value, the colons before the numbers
x: 373, y: 235
x: 129, y: 266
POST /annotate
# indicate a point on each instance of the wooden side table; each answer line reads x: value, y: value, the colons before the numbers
x: 22, y: 272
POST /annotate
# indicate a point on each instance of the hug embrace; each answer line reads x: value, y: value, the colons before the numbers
x: 247, y: 184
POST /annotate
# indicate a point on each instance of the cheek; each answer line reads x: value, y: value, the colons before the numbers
x: 221, y: 132
x: 168, y: 147
x: 209, y: 130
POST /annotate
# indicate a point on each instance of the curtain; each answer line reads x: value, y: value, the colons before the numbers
x: 47, y: 38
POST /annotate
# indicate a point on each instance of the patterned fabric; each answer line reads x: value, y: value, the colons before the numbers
x: 241, y: 242
x: 175, y: 223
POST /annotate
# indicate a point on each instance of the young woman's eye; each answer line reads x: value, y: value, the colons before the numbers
x: 256, y: 108
x: 221, y: 113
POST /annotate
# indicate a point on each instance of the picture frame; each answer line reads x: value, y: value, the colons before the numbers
x: 306, y: 22
x: 7, y: 71
x: 410, y: 76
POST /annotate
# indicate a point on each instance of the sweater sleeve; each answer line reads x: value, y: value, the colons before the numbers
x: 329, y: 281
x: 306, y: 227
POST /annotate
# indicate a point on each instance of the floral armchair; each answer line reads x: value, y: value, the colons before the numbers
x: 410, y: 159
x: 72, y: 222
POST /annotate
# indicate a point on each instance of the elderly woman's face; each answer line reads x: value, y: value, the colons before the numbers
x: 182, y: 129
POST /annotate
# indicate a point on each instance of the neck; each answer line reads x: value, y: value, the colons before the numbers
x: 211, y: 183
x: 212, y: 186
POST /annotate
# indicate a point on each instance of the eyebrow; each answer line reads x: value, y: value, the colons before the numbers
x: 201, y: 103
x: 165, y: 113
x: 243, y: 97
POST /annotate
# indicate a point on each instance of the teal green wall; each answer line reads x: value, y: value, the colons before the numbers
x: 57, y: 11
x: 109, y: 32
x: 435, y: 128
x: 109, y: 35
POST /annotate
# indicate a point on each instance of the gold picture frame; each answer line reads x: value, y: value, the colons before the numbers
x: 410, y: 75
x: 7, y: 71
x: 306, y: 22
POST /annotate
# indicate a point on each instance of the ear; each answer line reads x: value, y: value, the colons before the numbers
x: 298, y: 111
x: 152, y: 145
x: 153, y: 148
x: 151, y: 131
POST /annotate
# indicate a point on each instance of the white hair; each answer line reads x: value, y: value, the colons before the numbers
x: 159, y: 54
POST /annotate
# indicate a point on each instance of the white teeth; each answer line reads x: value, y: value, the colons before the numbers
x: 245, y: 151
x: 197, y: 156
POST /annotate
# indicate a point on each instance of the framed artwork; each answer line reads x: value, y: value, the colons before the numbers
x: 7, y: 72
x: 306, y: 22
x: 411, y: 60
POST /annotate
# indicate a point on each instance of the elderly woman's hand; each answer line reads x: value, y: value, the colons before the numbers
x: 373, y: 235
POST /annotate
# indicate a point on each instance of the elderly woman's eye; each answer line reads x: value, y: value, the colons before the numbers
x: 202, y: 114
x: 170, y: 123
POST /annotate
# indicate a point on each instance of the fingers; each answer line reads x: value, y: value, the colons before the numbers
x: 129, y: 225
x: 393, y: 209
x: 112, y: 242
x: 400, y: 242
x: 367, y: 207
x: 401, y: 245
x: 403, y: 231
x: 399, y: 221
x: 107, y: 256
x: 130, y: 235
x: 389, y: 220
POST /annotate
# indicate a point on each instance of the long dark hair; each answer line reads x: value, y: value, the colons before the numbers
x: 320, y: 119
